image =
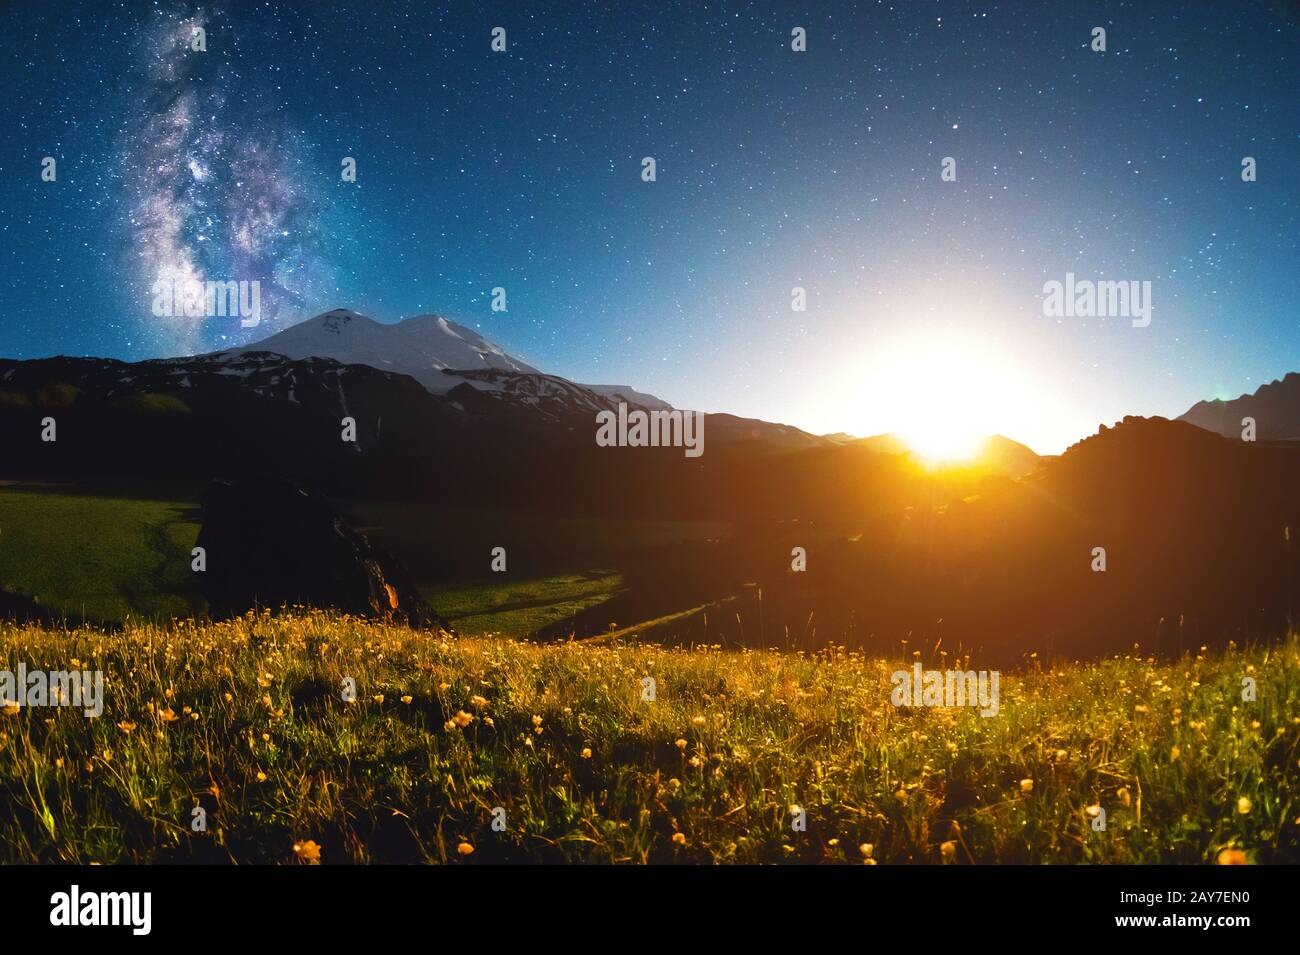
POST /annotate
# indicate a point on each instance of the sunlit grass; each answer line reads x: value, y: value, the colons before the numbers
x: 246, y: 720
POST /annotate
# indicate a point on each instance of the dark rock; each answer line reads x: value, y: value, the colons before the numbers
x: 271, y: 543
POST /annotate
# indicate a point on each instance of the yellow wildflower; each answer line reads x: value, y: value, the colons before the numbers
x: 307, y: 852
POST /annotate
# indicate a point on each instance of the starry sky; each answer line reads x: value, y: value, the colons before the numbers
x: 776, y: 169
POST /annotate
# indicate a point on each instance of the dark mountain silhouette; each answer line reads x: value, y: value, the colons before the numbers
x: 1274, y: 406
x: 255, y: 414
x: 523, y: 440
x: 1198, y: 531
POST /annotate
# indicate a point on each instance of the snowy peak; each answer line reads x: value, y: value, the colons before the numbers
x: 447, y: 359
x: 438, y: 353
x: 337, y: 321
x: 422, y: 346
x: 459, y: 347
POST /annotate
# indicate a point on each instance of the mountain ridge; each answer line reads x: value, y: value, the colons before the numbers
x: 422, y: 346
x: 1275, y: 406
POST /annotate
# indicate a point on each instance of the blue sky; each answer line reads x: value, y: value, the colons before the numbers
x: 775, y: 169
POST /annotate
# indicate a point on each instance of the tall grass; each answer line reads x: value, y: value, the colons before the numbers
x: 246, y: 720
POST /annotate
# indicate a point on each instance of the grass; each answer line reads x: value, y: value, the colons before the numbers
x: 520, y: 607
x: 97, y: 556
x: 246, y: 720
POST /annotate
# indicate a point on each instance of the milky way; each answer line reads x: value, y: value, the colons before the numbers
x: 215, y: 189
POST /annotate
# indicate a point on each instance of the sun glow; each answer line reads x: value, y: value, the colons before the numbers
x: 941, y: 445
x: 943, y: 394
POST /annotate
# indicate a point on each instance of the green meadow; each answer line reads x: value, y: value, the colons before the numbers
x: 472, y: 750
x: 477, y: 746
x: 95, y: 556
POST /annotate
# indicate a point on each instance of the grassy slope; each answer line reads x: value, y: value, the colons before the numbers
x: 707, y: 772
x: 521, y: 606
x: 101, y: 556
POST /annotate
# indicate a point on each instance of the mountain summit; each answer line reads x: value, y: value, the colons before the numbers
x: 438, y: 353
x: 422, y: 346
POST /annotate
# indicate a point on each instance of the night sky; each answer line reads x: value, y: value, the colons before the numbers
x: 775, y: 169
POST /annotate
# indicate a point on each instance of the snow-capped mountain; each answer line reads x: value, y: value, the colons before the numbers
x: 422, y: 346
x: 629, y: 396
x: 477, y: 377
x: 448, y: 359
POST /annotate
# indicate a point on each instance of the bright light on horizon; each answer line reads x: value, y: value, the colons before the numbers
x: 941, y: 445
x: 943, y: 394
x: 936, y: 368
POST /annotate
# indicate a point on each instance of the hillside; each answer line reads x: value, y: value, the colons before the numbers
x: 1197, y: 534
x: 249, y: 724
